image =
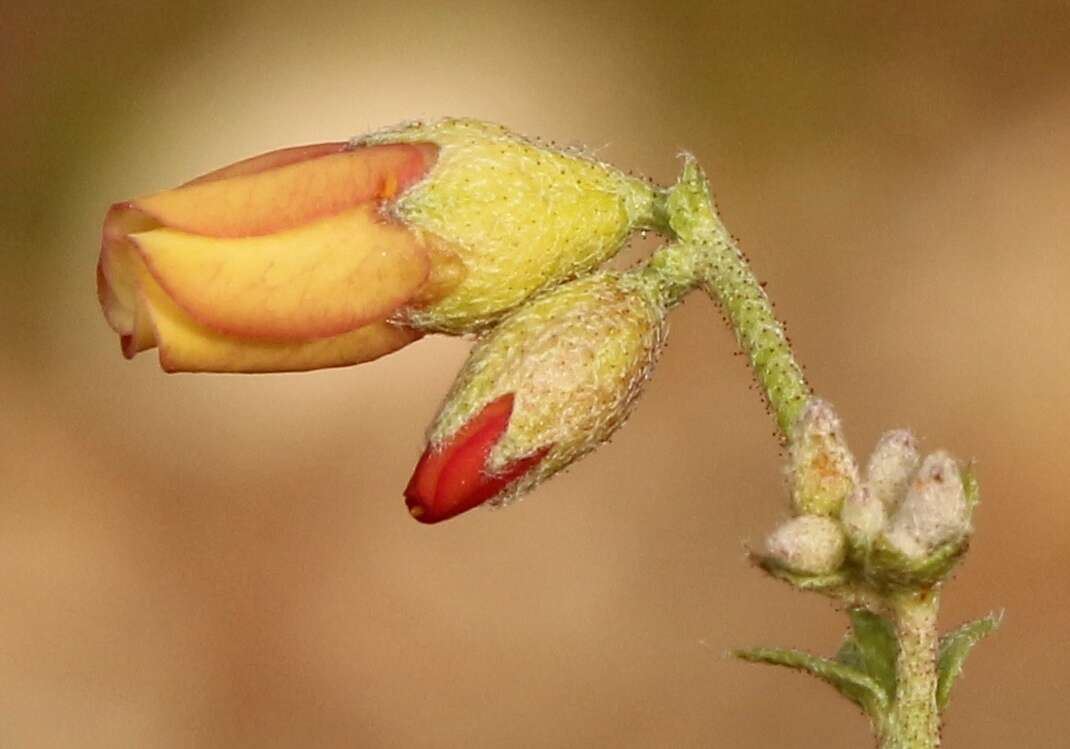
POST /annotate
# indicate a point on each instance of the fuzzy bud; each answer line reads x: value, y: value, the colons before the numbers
x: 549, y: 383
x: 893, y: 462
x: 808, y: 545
x: 822, y: 470
x: 934, y: 510
x: 862, y: 517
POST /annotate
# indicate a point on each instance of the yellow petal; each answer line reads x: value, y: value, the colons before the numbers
x: 313, y: 281
x: 186, y: 346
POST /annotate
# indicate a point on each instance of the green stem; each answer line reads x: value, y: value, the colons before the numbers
x: 706, y: 255
x: 914, y: 721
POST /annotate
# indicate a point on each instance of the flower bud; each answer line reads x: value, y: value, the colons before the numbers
x: 934, y: 510
x: 339, y: 253
x: 822, y: 470
x: 862, y: 517
x: 549, y: 383
x: 893, y: 462
x: 808, y: 545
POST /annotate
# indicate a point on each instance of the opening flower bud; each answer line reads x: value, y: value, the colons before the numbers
x: 284, y: 261
x: 934, y: 510
x: 822, y: 470
x: 808, y: 545
x: 549, y: 383
x: 338, y: 253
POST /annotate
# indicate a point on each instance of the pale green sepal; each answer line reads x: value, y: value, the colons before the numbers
x: 856, y: 686
x: 521, y: 216
x: 970, y: 486
x: 831, y: 581
x: 888, y: 567
x: 954, y: 647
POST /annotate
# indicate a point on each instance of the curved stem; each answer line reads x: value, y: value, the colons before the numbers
x: 706, y: 255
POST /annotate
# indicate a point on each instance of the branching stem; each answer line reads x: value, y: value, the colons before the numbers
x: 707, y: 256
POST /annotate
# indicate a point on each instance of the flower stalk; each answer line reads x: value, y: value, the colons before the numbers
x: 706, y: 255
x: 914, y: 721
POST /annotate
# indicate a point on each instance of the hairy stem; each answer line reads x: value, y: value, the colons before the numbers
x: 914, y: 721
x: 706, y: 255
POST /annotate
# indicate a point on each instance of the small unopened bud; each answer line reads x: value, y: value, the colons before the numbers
x: 822, y: 470
x: 862, y: 517
x: 891, y: 465
x: 808, y: 545
x: 550, y: 383
x: 934, y: 510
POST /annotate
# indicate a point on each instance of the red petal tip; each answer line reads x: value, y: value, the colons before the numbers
x: 453, y: 479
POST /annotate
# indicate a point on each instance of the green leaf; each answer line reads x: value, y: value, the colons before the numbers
x: 954, y: 647
x: 871, y: 648
x: 848, y: 681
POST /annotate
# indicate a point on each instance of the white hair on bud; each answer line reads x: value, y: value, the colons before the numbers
x: 822, y: 470
x: 863, y: 517
x: 893, y: 462
x: 934, y: 510
x: 808, y: 544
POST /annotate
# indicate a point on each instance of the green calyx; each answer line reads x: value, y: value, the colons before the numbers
x: 521, y: 216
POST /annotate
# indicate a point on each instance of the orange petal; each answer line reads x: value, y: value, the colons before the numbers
x: 270, y: 160
x: 284, y: 189
x: 313, y: 281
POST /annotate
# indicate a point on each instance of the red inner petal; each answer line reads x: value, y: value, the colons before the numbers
x: 454, y: 479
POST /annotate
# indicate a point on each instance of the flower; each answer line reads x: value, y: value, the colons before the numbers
x: 278, y: 262
x: 339, y: 253
x: 549, y: 383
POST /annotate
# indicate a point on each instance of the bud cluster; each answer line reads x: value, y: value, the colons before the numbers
x: 904, y: 521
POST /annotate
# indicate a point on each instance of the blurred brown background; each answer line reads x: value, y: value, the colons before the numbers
x: 214, y: 561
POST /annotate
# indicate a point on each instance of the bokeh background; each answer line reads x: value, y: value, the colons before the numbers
x: 225, y: 561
